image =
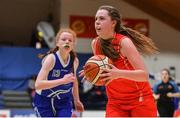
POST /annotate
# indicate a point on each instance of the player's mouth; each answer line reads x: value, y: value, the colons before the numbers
x: 98, y: 28
x: 66, y: 46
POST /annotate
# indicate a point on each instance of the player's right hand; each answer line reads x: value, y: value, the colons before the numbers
x: 81, y: 73
x: 68, y: 78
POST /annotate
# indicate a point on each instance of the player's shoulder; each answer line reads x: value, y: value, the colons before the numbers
x: 126, y: 42
x: 50, y: 58
x: 119, y: 38
x: 48, y: 62
x: 126, y: 39
x: 158, y: 82
x: 94, y: 40
x: 76, y: 61
x: 172, y: 82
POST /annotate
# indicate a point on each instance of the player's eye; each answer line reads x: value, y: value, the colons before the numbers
x: 101, y: 18
x: 63, y: 39
x: 70, y: 40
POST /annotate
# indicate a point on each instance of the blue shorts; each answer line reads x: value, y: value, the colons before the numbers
x: 52, y: 107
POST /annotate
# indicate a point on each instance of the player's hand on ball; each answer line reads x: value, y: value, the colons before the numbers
x: 109, y: 73
x: 92, y: 69
x: 81, y: 73
x: 68, y: 78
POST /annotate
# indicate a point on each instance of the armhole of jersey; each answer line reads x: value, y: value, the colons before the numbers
x: 43, y: 60
x: 94, y: 43
x: 46, y: 57
x: 75, y: 64
x: 54, y: 59
x: 119, y: 42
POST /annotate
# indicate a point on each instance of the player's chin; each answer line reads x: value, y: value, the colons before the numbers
x: 98, y: 32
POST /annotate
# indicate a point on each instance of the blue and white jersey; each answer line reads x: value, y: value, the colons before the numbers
x: 59, y: 70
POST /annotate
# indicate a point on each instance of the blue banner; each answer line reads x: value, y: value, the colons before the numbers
x: 19, y: 64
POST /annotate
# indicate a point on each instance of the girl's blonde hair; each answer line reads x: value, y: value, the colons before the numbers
x: 66, y: 30
x: 72, y: 53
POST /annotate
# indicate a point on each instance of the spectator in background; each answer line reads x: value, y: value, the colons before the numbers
x: 165, y: 92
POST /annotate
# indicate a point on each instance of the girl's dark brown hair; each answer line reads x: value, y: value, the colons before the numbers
x: 72, y: 53
x: 143, y: 43
x: 167, y: 70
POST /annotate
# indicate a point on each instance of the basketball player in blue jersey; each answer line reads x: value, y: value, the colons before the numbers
x: 56, y: 84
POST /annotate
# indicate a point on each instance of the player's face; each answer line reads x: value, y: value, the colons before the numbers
x: 103, y: 24
x: 165, y: 76
x: 65, y: 41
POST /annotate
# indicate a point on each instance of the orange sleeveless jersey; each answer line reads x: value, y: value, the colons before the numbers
x: 120, y: 90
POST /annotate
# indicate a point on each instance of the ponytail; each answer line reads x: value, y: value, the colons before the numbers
x: 108, y: 49
x: 49, y: 52
x: 73, y: 55
x: 144, y: 44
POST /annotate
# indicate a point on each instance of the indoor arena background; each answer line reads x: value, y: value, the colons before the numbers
x: 158, y: 19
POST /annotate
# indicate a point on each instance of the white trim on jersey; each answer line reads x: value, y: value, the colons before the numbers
x: 61, y: 60
x: 56, y: 93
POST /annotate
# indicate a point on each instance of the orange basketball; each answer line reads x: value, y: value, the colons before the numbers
x: 92, y: 69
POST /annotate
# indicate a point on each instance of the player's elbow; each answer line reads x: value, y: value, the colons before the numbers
x: 37, y: 85
x: 145, y: 75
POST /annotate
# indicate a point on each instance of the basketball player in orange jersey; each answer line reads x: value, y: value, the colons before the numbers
x: 129, y: 93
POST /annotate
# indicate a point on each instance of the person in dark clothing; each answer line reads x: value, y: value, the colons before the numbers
x: 165, y: 92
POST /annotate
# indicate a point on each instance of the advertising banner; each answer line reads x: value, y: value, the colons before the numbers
x: 84, y: 25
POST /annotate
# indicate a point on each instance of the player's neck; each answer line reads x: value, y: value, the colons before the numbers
x: 64, y: 56
x: 108, y: 36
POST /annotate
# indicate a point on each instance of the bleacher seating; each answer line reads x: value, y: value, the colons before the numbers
x: 1, y: 101
x: 16, y: 99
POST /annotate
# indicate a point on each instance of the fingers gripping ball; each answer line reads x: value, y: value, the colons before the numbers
x: 92, y: 69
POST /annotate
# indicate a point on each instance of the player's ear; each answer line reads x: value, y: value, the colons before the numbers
x: 114, y: 22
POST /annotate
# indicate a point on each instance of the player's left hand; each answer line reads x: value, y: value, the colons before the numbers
x: 78, y: 106
x: 109, y: 73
